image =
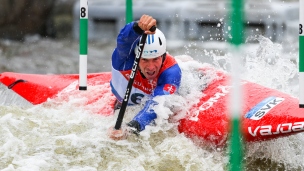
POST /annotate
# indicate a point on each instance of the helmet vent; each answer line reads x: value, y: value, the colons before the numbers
x: 160, y: 42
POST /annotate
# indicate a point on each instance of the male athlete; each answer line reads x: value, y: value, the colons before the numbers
x: 158, y: 72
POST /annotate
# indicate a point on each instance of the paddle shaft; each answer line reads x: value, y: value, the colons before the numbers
x: 131, y: 80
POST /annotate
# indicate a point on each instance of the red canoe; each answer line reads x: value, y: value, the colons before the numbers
x: 267, y: 113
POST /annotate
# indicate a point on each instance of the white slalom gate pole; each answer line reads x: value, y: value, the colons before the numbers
x: 301, y: 54
x: 83, y: 44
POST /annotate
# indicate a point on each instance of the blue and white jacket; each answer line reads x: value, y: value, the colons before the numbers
x: 167, y: 81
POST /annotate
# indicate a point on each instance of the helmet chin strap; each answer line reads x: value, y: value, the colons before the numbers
x: 141, y: 73
x: 164, y: 57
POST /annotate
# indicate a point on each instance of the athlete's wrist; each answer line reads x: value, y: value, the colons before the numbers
x: 137, y: 29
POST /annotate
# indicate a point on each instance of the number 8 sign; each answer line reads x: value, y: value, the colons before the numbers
x: 83, y: 9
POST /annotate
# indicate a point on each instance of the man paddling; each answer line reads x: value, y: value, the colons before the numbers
x: 158, y: 73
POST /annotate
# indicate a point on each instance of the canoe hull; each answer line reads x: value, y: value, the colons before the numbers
x: 266, y: 113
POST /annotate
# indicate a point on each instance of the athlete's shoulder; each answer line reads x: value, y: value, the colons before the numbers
x: 171, y: 72
x: 169, y: 62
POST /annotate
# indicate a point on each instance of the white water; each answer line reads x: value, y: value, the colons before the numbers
x: 60, y: 135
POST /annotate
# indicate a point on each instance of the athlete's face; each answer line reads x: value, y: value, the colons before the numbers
x: 150, y: 67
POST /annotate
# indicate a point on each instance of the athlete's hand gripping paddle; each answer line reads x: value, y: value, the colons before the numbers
x: 131, y: 80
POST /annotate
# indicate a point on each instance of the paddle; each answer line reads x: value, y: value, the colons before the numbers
x: 132, y: 76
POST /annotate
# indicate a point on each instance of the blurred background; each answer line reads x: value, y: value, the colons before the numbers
x: 31, y: 30
x: 41, y: 37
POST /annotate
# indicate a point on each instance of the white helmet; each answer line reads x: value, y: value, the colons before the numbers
x: 155, y: 45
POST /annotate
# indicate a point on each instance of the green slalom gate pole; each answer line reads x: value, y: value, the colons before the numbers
x: 236, y: 145
x: 83, y: 44
x: 301, y: 54
x: 129, y: 11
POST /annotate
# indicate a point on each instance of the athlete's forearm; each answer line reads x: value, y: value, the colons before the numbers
x: 145, y: 116
x: 123, y: 55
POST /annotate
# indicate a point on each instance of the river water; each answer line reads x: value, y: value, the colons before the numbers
x: 66, y: 136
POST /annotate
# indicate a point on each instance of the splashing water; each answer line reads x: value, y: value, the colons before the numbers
x: 267, y: 65
x: 63, y: 135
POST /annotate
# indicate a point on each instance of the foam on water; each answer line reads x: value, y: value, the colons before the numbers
x: 273, y: 68
x: 61, y: 134
x: 267, y: 65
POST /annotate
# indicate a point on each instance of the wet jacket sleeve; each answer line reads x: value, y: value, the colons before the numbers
x: 168, y: 83
x: 123, y: 55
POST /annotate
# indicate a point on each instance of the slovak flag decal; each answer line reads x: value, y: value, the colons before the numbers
x: 169, y: 89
